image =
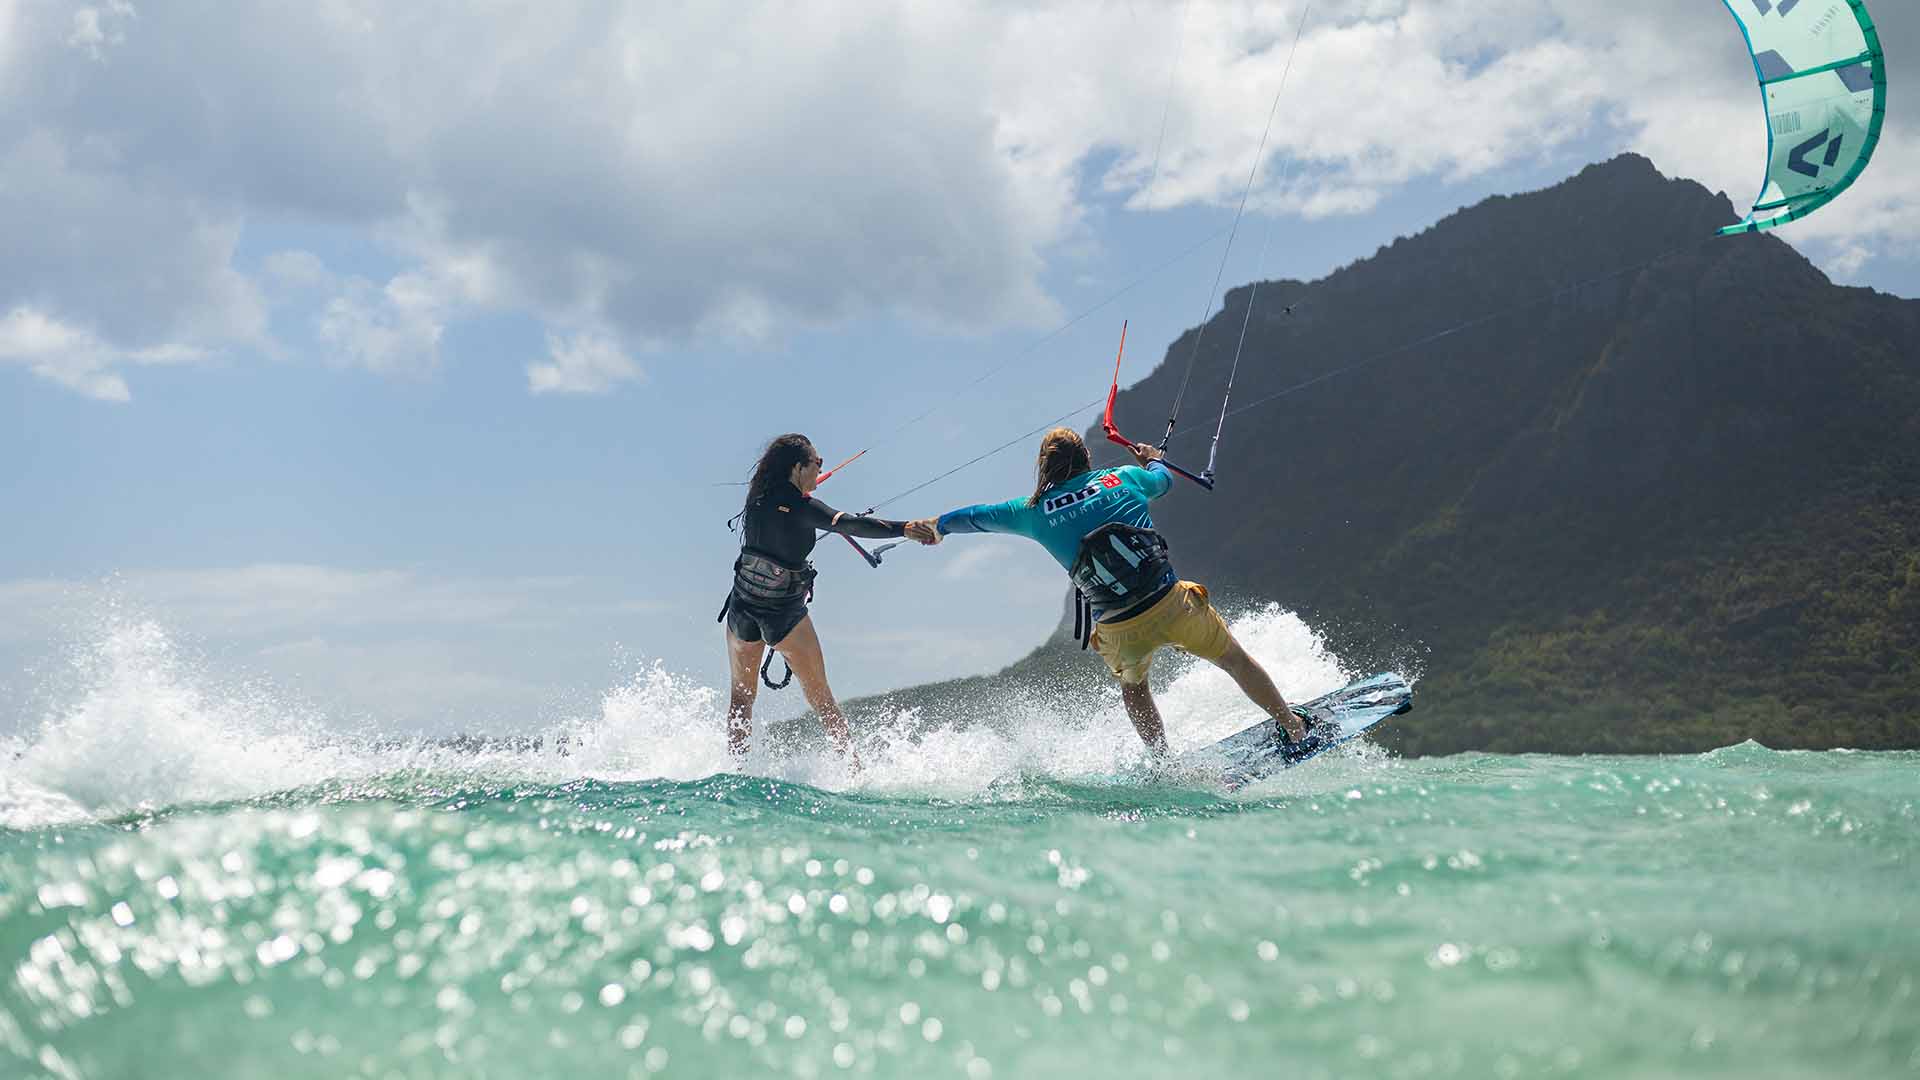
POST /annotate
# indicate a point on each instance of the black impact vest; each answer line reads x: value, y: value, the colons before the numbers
x: 1120, y: 567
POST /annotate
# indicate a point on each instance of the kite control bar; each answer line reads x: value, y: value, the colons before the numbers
x: 1205, y: 479
x: 872, y: 559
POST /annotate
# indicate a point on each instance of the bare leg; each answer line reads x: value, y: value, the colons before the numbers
x: 1255, y: 683
x: 801, y: 649
x: 1145, y: 716
x: 743, y: 661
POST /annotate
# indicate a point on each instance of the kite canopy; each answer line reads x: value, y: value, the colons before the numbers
x: 1823, y: 80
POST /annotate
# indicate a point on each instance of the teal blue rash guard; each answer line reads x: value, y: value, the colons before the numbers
x: 1070, y: 510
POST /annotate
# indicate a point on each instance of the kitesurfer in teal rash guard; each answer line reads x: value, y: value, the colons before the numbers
x: 1096, y: 524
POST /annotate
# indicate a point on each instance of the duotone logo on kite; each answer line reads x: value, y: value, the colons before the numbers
x: 1797, y: 161
x: 1767, y: 6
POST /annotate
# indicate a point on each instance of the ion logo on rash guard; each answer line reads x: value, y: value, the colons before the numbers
x: 1056, y: 503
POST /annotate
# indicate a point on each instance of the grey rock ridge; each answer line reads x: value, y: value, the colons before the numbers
x: 1606, y: 481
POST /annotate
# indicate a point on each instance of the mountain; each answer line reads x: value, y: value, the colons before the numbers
x: 1607, y: 481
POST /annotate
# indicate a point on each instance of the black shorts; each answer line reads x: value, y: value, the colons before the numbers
x: 769, y: 624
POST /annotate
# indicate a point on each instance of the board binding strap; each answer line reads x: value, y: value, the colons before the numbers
x: 1257, y: 752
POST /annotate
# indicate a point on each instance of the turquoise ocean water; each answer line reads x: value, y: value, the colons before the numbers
x: 195, y: 884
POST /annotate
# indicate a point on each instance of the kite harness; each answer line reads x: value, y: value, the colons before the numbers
x: 1121, y: 568
x: 770, y: 583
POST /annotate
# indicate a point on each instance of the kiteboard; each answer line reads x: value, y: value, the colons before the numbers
x: 1339, y: 717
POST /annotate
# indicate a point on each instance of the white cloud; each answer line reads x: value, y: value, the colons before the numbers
x: 95, y: 27
x: 396, y: 328
x: 658, y: 173
x: 582, y: 364
x: 74, y: 357
x: 126, y: 273
x: 1849, y: 261
x: 298, y: 270
x: 1323, y: 202
x: 63, y: 353
x: 391, y: 330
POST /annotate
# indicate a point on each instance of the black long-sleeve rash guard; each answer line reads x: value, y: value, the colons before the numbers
x: 784, y: 525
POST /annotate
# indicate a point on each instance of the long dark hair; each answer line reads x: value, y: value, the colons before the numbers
x: 1063, y: 455
x: 776, y: 465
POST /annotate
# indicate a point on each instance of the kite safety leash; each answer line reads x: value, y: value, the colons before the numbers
x: 766, y: 672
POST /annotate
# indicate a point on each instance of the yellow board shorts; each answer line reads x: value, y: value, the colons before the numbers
x: 1184, y: 618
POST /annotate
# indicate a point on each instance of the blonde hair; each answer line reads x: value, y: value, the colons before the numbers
x: 1063, y: 454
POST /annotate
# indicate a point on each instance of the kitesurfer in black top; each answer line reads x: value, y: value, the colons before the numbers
x: 772, y: 582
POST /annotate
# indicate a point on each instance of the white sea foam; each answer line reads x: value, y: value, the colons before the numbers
x: 147, y: 727
x: 1198, y: 702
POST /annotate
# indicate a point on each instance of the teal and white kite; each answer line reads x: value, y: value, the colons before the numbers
x: 1823, y: 80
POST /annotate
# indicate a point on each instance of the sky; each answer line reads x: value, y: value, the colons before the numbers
x: 402, y: 357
